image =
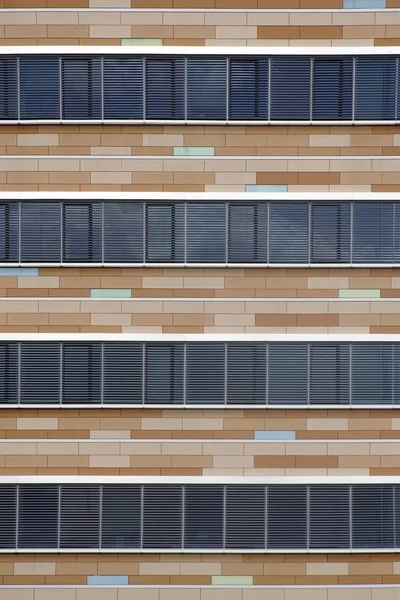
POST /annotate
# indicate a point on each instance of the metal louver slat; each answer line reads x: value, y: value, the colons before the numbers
x: 248, y: 88
x: 205, y: 369
x: 372, y: 370
x: 123, y: 87
x: 329, y: 374
x: 82, y: 232
x: 39, y: 87
x: 329, y: 512
x: 8, y: 88
x: 396, y: 508
x: 123, y: 373
x: 40, y: 232
x: 375, y: 94
x: 123, y: 232
x: 206, y: 88
x: 373, y: 232
x: 247, y: 230
x: 8, y: 373
x: 286, y: 517
x: 246, y: 374
x: 288, y: 232
x: 40, y: 373
x: 9, y: 224
x: 165, y: 88
x: 330, y: 233
x: 206, y: 233
x: 121, y: 516
x: 165, y: 232
x: 81, y: 87
x: 282, y: 360
x: 332, y: 88
x: 372, y: 516
x: 245, y: 517
x: 81, y: 365
x: 162, y: 516
x: 8, y: 516
x: 204, y: 506
x: 38, y: 516
x: 164, y: 374
x: 290, y: 88
x: 80, y: 516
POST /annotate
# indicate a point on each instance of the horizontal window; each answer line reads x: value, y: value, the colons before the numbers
x: 196, y: 87
x: 204, y: 373
x: 295, y: 232
x: 243, y: 517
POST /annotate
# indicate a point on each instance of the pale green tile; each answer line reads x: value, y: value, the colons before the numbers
x: 141, y: 42
x: 359, y: 293
x: 96, y: 293
x: 194, y: 151
x: 232, y: 580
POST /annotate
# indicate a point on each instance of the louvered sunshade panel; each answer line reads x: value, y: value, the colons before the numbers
x: 40, y: 373
x: 372, y: 516
x: 396, y: 375
x: 245, y: 516
x: 39, y: 85
x: 246, y: 374
x: 81, y: 373
x: 165, y: 88
x: 329, y: 374
x: 162, y: 516
x: 8, y: 516
x: 375, y: 88
x: 38, y: 508
x: 332, y: 88
x: 207, y: 88
x: 165, y: 232
x: 123, y: 87
x: 288, y: 232
x: 206, y: 233
x: 41, y: 232
x: 205, y: 369
x: 8, y: 88
x: 247, y: 233
x: 330, y: 233
x: 81, y: 87
x: 121, y: 516
x: 284, y: 359
x: 286, y: 517
x: 9, y: 232
x: 248, y: 88
x: 122, y: 373
x: 204, y: 516
x: 80, y: 516
x: 8, y: 373
x: 372, y: 232
x: 329, y: 516
x: 164, y: 374
x: 123, y: 232
x: 290, y: 89
x: 372, y: 372
x: 82, y: 232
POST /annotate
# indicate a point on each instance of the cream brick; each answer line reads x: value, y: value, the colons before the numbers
x: 190, y: 307
x: 22, y: 306
x: 37, y: 139
x: 225, y: 448
x: 163, y: 282
x: 236, y: 32
x: 182, y: 18
x: 327, y: 568
x: 264, y: 449
x: 306, y: 449
x: 329, y: 140
x: 327, y: 424
x: 308, y: 166
x: 200, y: 424
x: 59, y: 306
x: 234, y: 462
x: 100, y: 306
x: 182, y: 448
x: 222, y: 18
x: 107, y: 178
x: 225, y: 165
x: 143, y: 307
x: 49, y: 593
x: 328, y: 283
x: 35, y: 568
x: 224, y: 307
x: 38, y: 282
x: 20, y: 448
x: 350, y: 449
x: 142, y: 448
x: 159, y: 568
x: 110, y: 319
x: 109, y: 461
x: 38, y: 423
x: 101, y: 165
x: 57, y: 448
x: 306, y: 594
x: 162, y: 424
x: 99, y: 448
x: 162, y: 139
x: 60, y: 164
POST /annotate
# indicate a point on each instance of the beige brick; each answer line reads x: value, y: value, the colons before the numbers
x: 159, y: 568
x: 37, y: 139
x: 236, y: 32
x: 189, y: 307
x: 162, y: 282
x: 34, y: 568
x: 327, y: 568
x: 107, y: 178
x: 109, y: 319
x: 162, y: 424
x: 37, y: 423
x: 109, y: 461
x: 38, y: 282
x: 182, y: 448
x: 99, y: 448
x: 191, y: 424
x: 57, y: 448
x: 99, y: 18
x: 327, y: 424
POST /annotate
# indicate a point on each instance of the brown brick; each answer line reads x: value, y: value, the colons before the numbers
x: 277, y: 178
x: 319, y: 178
x: 275, y: 320
x: 320, y: 32
x: 316, y: 462
x: 274, y: 462
x: 278, y: 32
x: 317, y: 320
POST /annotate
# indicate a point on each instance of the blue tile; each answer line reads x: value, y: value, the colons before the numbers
x: 18, y: 272
x: 107, y: 580
x: 266, y: 188
x: 364, y: 4
x: 274, y: 435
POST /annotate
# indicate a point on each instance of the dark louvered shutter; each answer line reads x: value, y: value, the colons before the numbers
x: 330, y: 233
x: 286, y: 517
x: 329, y: 512
x: 396, y: 375
x: 162, y: 516
x: 206, y: 88
x: 123, y: 87
x: 285, y: 359
x: 8, y: 373
x: 81, y: 373
x: 290, y: 88
x: 9, y: 221
x: 332, y: 88
x: 246, y: 374
x: 8, y: 87
x: 165, y: 232
x: 372, y: 232
x: 164, y: 374
x: 396, y: 231
x: 288, y: 232
x: 375, y: 93
x: 165, y: 88
x: 204, y: 505
x: 82, y: 225
x: 122, y: 373
x: 248, y: 88
x: 121, y: 516
x: 8, y: 516
x: 206, y: 233
x: 81, y: 87
x: 38, y: 516
x: 372, y: 371
x: 123, y: 232
x: 397, y: 515
x: 39, y: 84
x: 205, y: 374
x: 247, y: 230
x: 329, y: 374
x: 40, y: 373
x: 80, y: 516
x: 372, y: 516
x: 245, y: 516
x: 41, y: 232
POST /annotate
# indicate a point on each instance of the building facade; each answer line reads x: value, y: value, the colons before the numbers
x: 199, y: 300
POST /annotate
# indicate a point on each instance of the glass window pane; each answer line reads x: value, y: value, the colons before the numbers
x: 372, y: 372
x: 284, y: 359
x: 205, y: 368
x: 122, y: 373
x: 39, y: 87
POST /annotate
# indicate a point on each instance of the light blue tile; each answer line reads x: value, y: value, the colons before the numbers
x: 194, y: 150
x: 266, y: 188
x: 274, y: 435
x: 107, y: 580
x: 364, y: 3
x: 18, y: 272
x: 110, y: 293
